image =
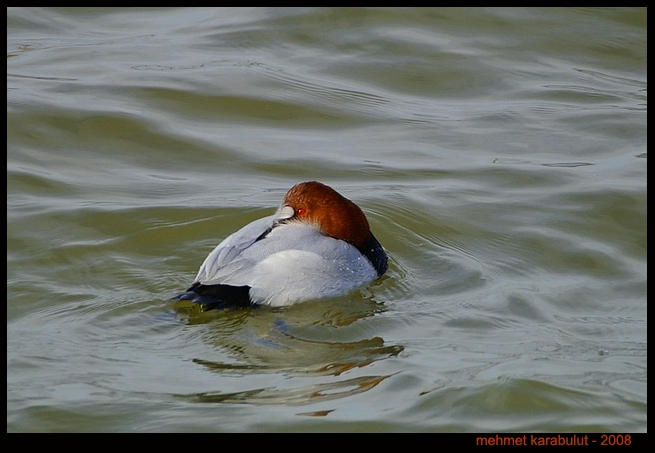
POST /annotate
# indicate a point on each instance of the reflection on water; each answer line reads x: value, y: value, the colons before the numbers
x: 298, y: 396
x: 292, y: 341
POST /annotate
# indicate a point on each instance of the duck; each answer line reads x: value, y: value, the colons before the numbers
x: 317, y: 245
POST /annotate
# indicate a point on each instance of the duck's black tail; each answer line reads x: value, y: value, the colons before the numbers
x: 212, y: 297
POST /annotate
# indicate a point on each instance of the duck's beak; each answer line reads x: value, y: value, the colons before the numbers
x: 284, y: 213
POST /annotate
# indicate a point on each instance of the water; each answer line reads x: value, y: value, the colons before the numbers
x: 500, y: 155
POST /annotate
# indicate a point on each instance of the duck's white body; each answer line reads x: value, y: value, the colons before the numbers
x: 295, y: 255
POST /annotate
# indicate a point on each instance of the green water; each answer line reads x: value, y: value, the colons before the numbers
x: 500, y: 155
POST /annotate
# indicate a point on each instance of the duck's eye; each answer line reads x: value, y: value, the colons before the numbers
x: 301, y: 211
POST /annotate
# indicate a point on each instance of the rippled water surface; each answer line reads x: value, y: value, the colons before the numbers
x: 500, y: 155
